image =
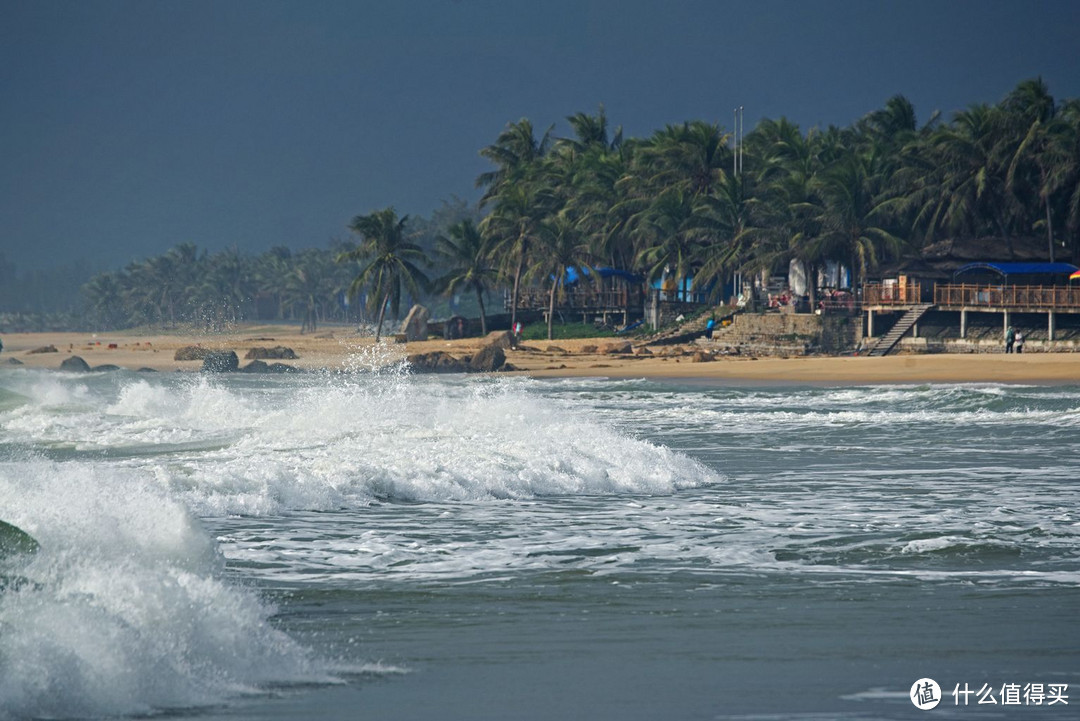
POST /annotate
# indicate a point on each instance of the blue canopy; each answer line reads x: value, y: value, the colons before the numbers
x: 1007, y: 269
x: 604, y: 272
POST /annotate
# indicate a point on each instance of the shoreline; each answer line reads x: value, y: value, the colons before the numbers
x: 340, y: 348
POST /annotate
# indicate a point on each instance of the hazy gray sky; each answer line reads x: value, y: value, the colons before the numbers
x: 129, y: 127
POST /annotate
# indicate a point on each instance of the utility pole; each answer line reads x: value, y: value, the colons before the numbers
x: 739, y: 132
x: 735, y: 149
x: 742, y: 137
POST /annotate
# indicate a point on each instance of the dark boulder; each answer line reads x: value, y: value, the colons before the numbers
x: 435, y: 362
x: 75, y: 364
x: 487, y: 360
x: 281, y: 368
x: 221, y: 361
x: 256, y: 366
x: 190, y: 353
x: 106, y: 367
x: 279, y: 352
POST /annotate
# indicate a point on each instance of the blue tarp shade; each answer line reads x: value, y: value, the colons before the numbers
x: 573, y: 277
x: 1007, y: 269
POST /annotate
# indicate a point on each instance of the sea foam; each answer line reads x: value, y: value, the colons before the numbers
x: 126, y: 611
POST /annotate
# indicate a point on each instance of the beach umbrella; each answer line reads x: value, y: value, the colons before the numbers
x: 1075, y: 276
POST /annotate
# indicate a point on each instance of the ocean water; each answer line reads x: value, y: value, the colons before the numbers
x: 378, y: 545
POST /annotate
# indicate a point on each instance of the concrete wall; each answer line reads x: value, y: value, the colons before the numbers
x: 788, y: 334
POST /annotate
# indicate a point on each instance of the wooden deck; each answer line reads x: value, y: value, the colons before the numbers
x: 1017, y: 298
x: 968, y: 296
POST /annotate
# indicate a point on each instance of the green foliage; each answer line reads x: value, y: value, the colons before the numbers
x: 539, y: 331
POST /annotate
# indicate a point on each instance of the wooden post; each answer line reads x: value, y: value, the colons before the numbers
x: 869, y: 323
x: 963, y: 323
x: 1050, y: 325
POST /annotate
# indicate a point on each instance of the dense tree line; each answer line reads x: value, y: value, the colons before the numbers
x: 676, y: 202
x: 190, y: 287
x: 673, y: 202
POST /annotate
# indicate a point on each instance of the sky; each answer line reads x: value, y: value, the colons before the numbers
x: 127, y: 128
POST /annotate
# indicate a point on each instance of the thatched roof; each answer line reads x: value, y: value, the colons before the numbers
x: 938, y: 261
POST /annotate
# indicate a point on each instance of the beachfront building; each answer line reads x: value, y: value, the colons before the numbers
x: 599, y: 295
x: 975, y: 306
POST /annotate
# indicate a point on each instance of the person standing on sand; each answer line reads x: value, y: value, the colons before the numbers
x: 1019, y: 342
x: 1010, y: 338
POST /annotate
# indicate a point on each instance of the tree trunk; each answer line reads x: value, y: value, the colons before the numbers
x: 382, y: 314
x: 483, y: 315
x: 1049, y: 228
x: 517, y: 279
x: 551, y: 307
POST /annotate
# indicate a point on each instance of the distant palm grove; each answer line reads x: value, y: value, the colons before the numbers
x: 880, y: 190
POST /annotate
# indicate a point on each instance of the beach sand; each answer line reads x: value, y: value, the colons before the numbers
x: 340, y: 349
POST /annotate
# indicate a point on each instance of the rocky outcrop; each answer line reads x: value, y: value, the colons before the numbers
x: 14, y: 362
x: 258, y: 366
x: 281, y: 368
x: 221, y: 361
x: 436, y: 362
x: 43, y: 349
x: 487, y: 360
x: 106, y: 367
x: 75, y: 364
x: 415, y: 325
x: 617, y: 348
x: 190, y: 353
x: 500, y: 339
x: 278, y: 352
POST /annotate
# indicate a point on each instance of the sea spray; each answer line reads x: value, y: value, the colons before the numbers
x: 127, y: 610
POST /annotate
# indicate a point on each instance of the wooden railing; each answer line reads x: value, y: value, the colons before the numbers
x: 1007, y: 296
x: 587, y: 300
x: 879, y: 294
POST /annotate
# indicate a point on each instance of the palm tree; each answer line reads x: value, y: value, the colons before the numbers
x: 390, y: 263
x: 560, y: 248
x: 1034, y: 113
x: 105, y: 297
x: 468, y: 253
x: 693, y: 157
x: 672, y: 230
x: 513, y: 225
x: 971, y: 196
x: 513, y: 153
x: 850, y: 227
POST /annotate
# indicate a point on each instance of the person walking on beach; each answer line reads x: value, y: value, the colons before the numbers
x: 1010, y: 338
x: 1019, y: 342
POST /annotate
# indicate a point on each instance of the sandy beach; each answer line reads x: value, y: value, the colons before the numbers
x: 340, y: 349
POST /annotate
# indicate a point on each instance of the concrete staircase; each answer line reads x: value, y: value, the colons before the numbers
x: 888, y: 341
x: 685, y: 332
